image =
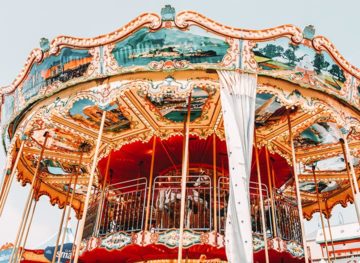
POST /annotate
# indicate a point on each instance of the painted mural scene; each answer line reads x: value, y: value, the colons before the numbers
x: 175, y: 108
x: 301, y: 62
x: 178, y: 139
x: 87, y: 113
x: 144, y: 47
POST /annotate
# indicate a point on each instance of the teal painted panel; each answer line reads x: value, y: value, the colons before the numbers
x: 69, y: 64
x: 289, y: 59
x: 195, y: 46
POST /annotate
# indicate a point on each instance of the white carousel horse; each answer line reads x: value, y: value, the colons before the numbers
x: 167, y: 197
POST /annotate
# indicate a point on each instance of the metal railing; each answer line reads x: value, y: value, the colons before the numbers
x: 287, y: 220
x: 91, y: 215
x: 166, y: 202
x: 223, y: 196
x: 124, y: 207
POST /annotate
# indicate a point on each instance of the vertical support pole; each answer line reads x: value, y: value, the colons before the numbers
x: 67, y: 218
x: 261, y: 198
x: 91, y: 179
x: 351, y: 175
x: 184, y: 171
x: 347, y: 167
x: 214, y: 187
x: 298, y: 196
x: 72, y: 248
x: 331, y: 237
x: 62, y: 222
x: 25, y: 215
x: 268, y: 170
x: 26, y: 229
x: 350, y: 163
x: 102, y: 198
x: 7, y: 183
x: 30, y: 220
x: 321, y: 214
x: 147, y: 215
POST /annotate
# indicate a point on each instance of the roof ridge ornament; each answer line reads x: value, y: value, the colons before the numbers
x: 168, y: 13
x: 309, y: 32
x: 44, y: 44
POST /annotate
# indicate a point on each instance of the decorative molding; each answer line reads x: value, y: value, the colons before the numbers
x: 185, y: 19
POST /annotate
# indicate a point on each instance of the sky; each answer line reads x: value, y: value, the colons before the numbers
x: 23, y: 23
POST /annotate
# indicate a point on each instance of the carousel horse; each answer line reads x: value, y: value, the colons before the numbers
x: 169, y: 200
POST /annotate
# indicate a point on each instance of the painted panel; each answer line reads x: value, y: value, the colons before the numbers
x: 323, y: 187
x: 56, y: 168
x: 195, y: 46
x: 299, y: 61
x: 267, y: 109
x: 318, y: 133
x: 170, y: 238
x: 59, y: 140
x: 7, y: 108
x: 69, y: 64
x: 89, y: 114
x: 175, y: 108
x: 336, y: 163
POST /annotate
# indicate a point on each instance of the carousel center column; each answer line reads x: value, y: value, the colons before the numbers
x: 238, y: 94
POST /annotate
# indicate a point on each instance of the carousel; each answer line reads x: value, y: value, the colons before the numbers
x: 179, y: 139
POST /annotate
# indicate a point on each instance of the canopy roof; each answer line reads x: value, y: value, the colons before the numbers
x: 142, y: 74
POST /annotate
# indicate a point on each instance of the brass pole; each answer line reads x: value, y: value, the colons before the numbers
x: 91, y: 179
x: 102, y: 198
x: 214, y: 187
x: 321, y: 215
x: 349, y: 162
x: 350, y: 178
x: 37, y: 187
x: 71, y: 200
x: 67, y: 218
x: 7, y: 183
x: 62, y: 222
x: 261, y: 197
x: 347, y: 167
x: 273, y: 177
x: 150, y: 186
x: 27, y: 228
x: 76, y: 231
x: 331, y: 237
x: 271, y: 191
x: 298, y: 196
x: 184, y: 171
x: 26, y: 211
x: 168, y: 155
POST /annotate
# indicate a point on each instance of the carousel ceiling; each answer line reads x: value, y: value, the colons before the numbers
x: 142, y: 76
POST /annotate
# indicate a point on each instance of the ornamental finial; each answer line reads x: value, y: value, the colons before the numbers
x: 44, y: 44
x: 168, y: 13
x: 309, y: 32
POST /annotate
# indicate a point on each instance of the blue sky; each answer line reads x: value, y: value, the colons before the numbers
x: 23, y: 23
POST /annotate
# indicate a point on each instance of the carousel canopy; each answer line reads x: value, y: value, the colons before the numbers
x: 142, y: 75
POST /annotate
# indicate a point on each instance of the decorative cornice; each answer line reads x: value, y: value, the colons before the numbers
x: 185, y: 19
x: 150, y: 20
x: 321, y: 43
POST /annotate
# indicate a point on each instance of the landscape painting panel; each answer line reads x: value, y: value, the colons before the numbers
x: 69, y: 64
x: 175, y: 108
x: 89, y: 114
x: 322, y: 187
x: 288, y: 59
x: 318, y: 133
x: 267, y: 110
x: 144, y: 46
